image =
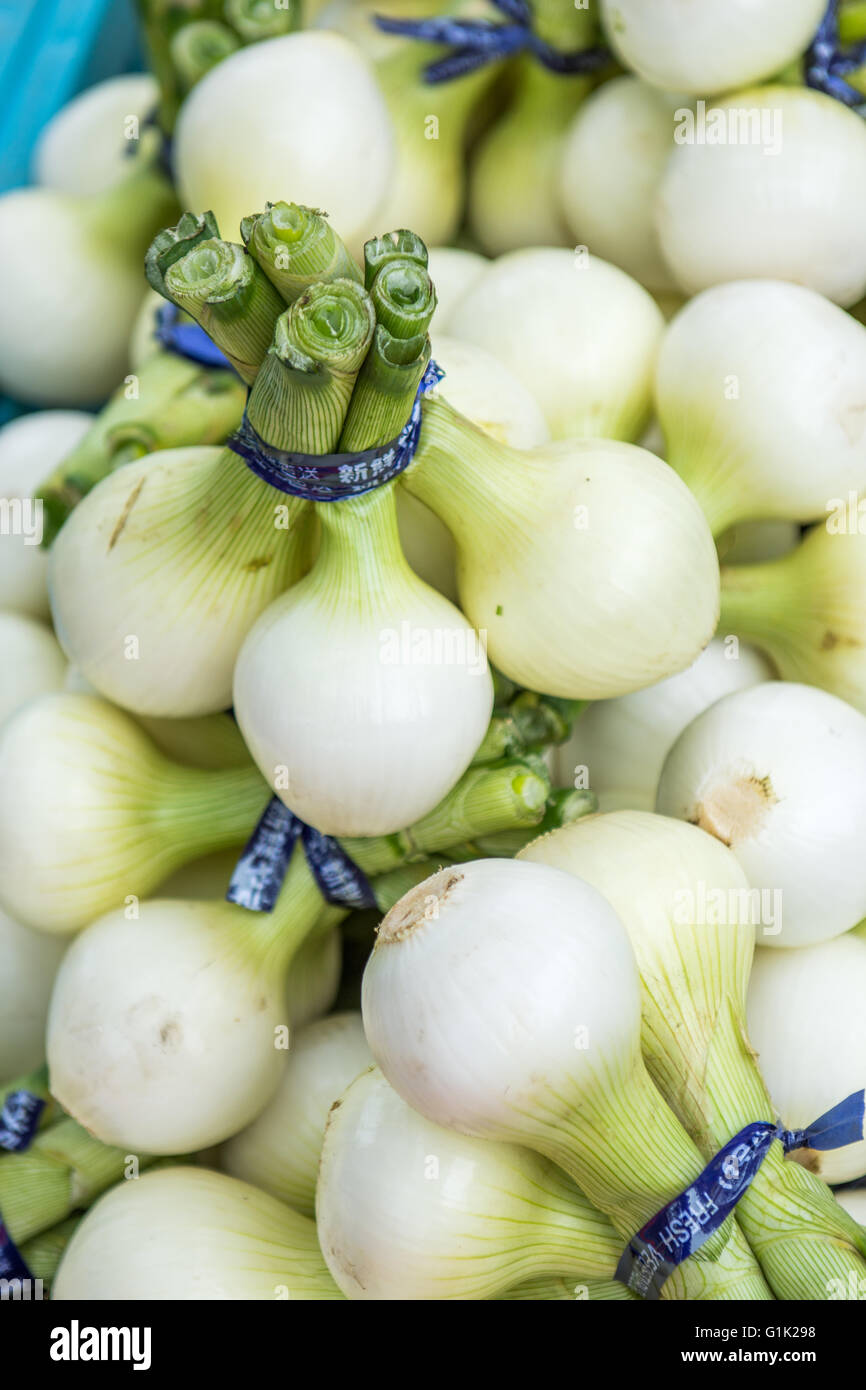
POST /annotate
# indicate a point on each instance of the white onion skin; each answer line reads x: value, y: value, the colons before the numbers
x: 487, y: 1217
x: 471, y: 1015
x: 30, y: 448
x: 280, y: 1151
x: 323, y: 712
x: 598, y: 599
x: 776, y: 772
x: 453, y: 272
x: 190, y: 1234
x: 731, y: 212
x: 70, y: 297
x: 28, y: 964
x: 623, y: 743
x: 142, y: 340
x: 806, y: 1023
x: 681, y: 46
x: 613, y: 158
x: 794, y: 434
x: 169, y: 519
x: 318, y: 131
x: 161, y: 1033
x: 31, y: 662
x: 853, y: 1199
x: 85, y: 147
x: 580, y: 334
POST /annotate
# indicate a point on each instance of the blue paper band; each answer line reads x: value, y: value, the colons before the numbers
x: 258, y: 877
x: 827, y: 61
x: 686, y: 1223
x: 187, y: 339
x: 476, y: 42
x: 19, y: 1120
x: 333, y: 477
x: 12, y: 1265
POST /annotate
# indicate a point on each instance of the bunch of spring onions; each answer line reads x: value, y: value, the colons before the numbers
x: 432, y: 691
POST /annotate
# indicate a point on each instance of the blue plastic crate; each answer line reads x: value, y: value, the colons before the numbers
x: 49, y: 51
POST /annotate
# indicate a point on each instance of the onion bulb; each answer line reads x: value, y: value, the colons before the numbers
x: 186, y: 1233
x: 782, y: 193
x: 70, y: 284
x: 618, y: 747
x: 168, y: 1028
x: 280, y: 1151
x: 162, y: 569
x: 92, y: 816
x: 453, y: 272
x: 408, y: 1210
x: 31, y: 663
x: 29, y: 448
x: 759, y: 393
x: 682, y: 46
x: 300, y: 114
x: 502, y: 1000
x: 587, y: 563
x: 28, y: 964
x: 775, y: 773
x: 807, y: 1026
x: 613, y: 157
x: 580, y: 334
x: 85, y: 147
x: 419, y: 697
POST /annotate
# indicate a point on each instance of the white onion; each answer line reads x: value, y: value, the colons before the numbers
x: 587, y: 563
x: 776, y: 772
x: 361, y: 666
x: 70, y: 283
x: 92, y: 816
x: 502, y: 1000
x: 853, y: 1199
x: 408, y: 1210
x: 686, y: 46
x: 186, y: 1233
x: 299, y: 116
x: 453, y: 272
x: 612, y: 161
x: 161, y: 571
x: 28, y: 964
x: 621, y: 745
x: 580, y: 334
x: 759, y: 392
x: 807, y: 1025
x: 85, y: 147
x: 164, y: 1029
x: 787, y: 201
x: 30, y: 447
x: 280, y: 1151
x: 31, y: 663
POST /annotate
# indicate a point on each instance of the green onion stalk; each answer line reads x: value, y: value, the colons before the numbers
x: 43, y: 1252
x: 297, y: 248
x: 679, y: 893
x: 514, y: 174
x: 255, y: 20
x: 805, y: 609
x: 175, y: 402
x: 218, y: 285
x: 431, y: 126
x: 567, y: 1291
x: 198, y: 47
x: 63, y: 1170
